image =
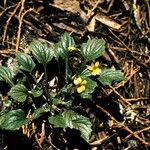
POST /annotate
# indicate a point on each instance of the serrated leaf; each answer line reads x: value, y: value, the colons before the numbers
x: 58, y: 121
x: 89, y: 89
x: 107, y: 76
x: 6, y: 75
x: 41, y: 52
x: 79, y: 122
x: 92, y: 49
x: 25, y: 62
x: 19, y: 92
x: 74, y: 121
x: 61, y: 48
x: 13, y: 120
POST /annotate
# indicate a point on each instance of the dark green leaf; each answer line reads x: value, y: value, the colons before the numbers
x: 79, y: 122
x: 85, y: 73
x: 107, y: 76
x: 25, y: 62
x: 37, y: 92
x: 13, y: 120
x: 7, y: 103
x: 6, y: 75
x: 92, y: 49
x: 41, y: 52
x: 89, y: 88
x: 58, y: 121
x: 19, y: 92
x: 61, y: 48
x: 59, y: 101
x: 40, y: 111
x: 74, y: 121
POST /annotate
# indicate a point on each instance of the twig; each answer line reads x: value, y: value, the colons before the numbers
x: 7, y: 22
x: 5, y: 3
x: 148, y: 6
x: 137, y: 99
x: 42, y: 135
x: 4, y: 10
x: 130, y: 50
x: 50, y: 142
x: 137, y: 132
x: 122, y: 98
x: 122, y: 125
x: 94, y: 7
x: 19, y: 27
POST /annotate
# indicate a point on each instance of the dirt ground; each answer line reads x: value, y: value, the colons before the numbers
x: 123, y: 109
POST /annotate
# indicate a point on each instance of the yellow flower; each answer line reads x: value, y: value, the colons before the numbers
x: 77, y: 81
x: 81, y: 88
x: 80, y: 84
x: 72, y: 48
x: 94, y: 68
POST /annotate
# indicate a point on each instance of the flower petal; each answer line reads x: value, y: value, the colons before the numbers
x: 96, y: 71
x: 77, y: 81
x: 97, y: 64
x: 72, y: 48
x: 90, y: 67
x: 84, y: 82
x: 80, y: 89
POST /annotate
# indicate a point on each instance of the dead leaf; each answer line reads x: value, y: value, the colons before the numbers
x: 71, y: 6
x: 68, y: 5
x: 91, y: 25
x: 107, y: 21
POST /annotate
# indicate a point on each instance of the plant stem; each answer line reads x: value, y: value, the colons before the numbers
x: 66, y: 70
x: 27, y: 79
x: 34, y: 78
x: 46, y: 82
x: 59, y: 72
x: 82, y: 67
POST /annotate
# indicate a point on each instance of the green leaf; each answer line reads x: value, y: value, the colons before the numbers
x: 19, y: 92
x: 13, y: 120
x: 40, y: 111
x: 107, y: 76
x: 85, y: 73
x: 59, y: 101
x: 37, y: 92
x: 25, y: 62
x: 41, y: 52
x: 6, y: 75
x: 92, y: 49
x: 74, y: 121
x: 89, y: 89
x: 61, y: 48
x: 79, y: 122
x: 58, y: 121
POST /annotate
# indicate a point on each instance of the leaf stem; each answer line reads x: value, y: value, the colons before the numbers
x: 10, y: 83
x: 34, y: 78
x: 27, y: 79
